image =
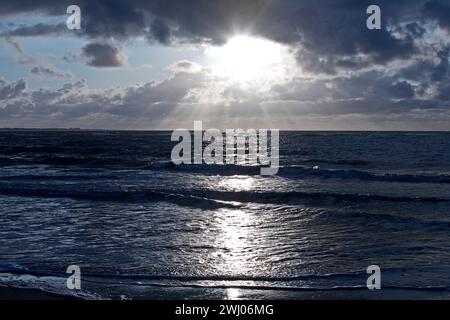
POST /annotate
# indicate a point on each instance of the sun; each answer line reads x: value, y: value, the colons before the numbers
x: 247, y: 58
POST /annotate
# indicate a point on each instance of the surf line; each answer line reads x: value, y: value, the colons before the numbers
x: 242, y: 147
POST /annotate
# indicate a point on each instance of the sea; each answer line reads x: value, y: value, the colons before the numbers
x: 139, y: 227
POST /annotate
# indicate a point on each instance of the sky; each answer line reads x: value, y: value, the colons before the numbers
x: 281, y: 64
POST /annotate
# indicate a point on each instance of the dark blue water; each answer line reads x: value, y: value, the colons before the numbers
x: 140, y: 227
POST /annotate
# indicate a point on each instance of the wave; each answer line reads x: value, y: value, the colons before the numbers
x: 20, y: 269
x: 302, y: 288
x: 205, y: 169
x: 341, y: 174
x: 54, y: 282
x: 135, y: 196
x: 77, y: 161
x: 338, y: 162
x: 90, y: 161
x: 296, y: 172
x: 283, y: 197
x: 288, y: 171
x: 391, y: 221
x: 19, y: 277
x: 199, y: 198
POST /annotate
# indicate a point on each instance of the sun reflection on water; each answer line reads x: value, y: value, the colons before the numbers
x: 236, y: 228
x: 238, y: 183
x: 232, y: 293
x: 235, y: 237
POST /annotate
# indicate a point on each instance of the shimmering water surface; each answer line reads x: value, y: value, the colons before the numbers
x: 140, y: 227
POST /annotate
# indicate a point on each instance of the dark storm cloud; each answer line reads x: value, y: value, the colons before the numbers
x: 365, y: 87
x: 330, y: 32
x: 285, y: 21
x: 394, y: 90
x: 438, y: 10
x: 440, y: 72
x: 103, y: 55
x: 11, y: 90
x: 160, y: 31
x: 415, y: 29
x: 112, y: 18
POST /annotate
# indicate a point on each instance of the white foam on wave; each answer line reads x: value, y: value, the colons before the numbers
x: 48, y: 284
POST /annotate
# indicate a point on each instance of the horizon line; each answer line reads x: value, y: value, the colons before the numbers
x: 159, y: 130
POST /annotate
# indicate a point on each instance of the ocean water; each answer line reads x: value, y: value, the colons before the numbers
x: 140, y: 227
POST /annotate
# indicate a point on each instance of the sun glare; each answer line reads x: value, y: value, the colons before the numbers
x: 245, y: 58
